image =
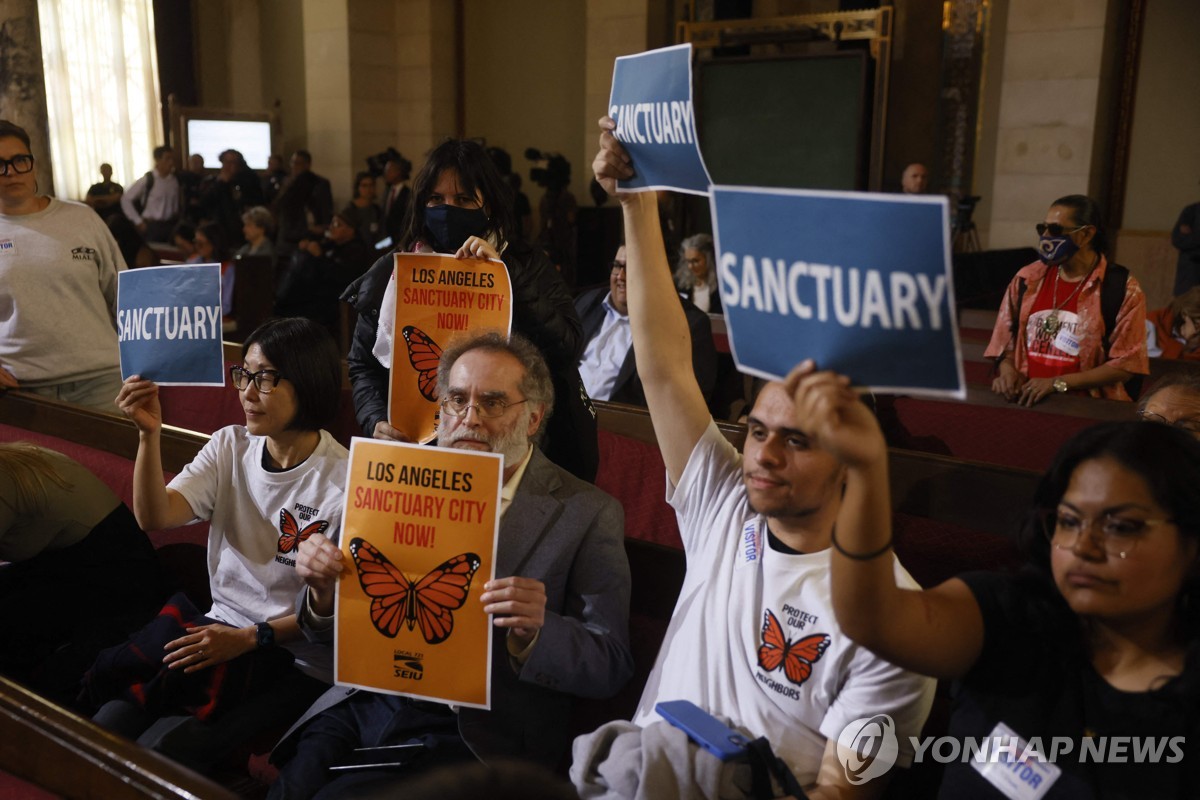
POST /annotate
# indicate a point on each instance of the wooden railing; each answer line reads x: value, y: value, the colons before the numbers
x: 64, y: 753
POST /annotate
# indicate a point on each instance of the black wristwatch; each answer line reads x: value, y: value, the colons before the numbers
x: 266, y: 634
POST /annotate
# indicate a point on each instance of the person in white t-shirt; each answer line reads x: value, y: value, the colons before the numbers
x: 265, y: 487
x: 753, y: 637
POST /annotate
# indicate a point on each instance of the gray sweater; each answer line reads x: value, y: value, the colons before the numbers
x: 58, y: 295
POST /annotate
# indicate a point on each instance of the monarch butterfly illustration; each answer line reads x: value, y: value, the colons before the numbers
x: 395, y: 600
x: 424, y: 354
x: 291, y: 535
x: 797, y: 658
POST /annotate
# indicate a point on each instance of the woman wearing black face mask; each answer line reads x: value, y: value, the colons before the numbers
x: 462, y: 206
x: 1053, y: 331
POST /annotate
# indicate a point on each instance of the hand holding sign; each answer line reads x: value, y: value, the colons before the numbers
x: 612, y: 163
x: 138, y: 400
x: 833, y: 415
x: 475, y: 247
x: 319, y: 562
x: 651, y: 104
x: 518, y: 604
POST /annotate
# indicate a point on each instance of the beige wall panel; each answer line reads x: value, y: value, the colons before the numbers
x: 1054, y: 54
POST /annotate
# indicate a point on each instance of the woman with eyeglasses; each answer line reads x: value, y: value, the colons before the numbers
x: 462, y: 206
x: 1072, y: 321
x: 58, y: 288
x: 264, y: 487
x: 1097, y: 638
x: 696, y: 273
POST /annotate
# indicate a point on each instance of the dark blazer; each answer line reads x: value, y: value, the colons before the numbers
x: 394, y: 217
x: 300, y: 195
x: 569, y: 535
x: 628, y: 388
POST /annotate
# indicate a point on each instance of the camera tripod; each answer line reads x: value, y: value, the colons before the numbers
x: 966, y: 238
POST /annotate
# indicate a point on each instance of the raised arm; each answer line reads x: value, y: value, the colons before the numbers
x: 155, y: 506
x: 937, y: 632
x: 660, y: 329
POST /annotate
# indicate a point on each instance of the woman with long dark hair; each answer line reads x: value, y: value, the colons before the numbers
x: 462, y: 206
x: 1097, y: 639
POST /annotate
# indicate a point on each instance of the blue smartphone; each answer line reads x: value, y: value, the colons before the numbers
x: 703, y: 728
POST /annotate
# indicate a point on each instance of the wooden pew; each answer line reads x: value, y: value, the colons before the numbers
x: 43, y: 743
x: 98, y: 430
x: 70, y: 756
x: 253, y: 293
x: 962, y: 492
x: 987, y: 428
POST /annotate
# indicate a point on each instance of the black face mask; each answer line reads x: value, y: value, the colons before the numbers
x: 450, y: 226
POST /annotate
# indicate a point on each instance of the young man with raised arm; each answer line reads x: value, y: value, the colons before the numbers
x: 753, y: 638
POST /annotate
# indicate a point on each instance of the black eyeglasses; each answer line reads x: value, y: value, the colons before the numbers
x: 1192, y: 426
x: 1054, y: 229
x: 18, y: 164
x: 617, y: 266
x: 488, y: 407
x: 265, y: 380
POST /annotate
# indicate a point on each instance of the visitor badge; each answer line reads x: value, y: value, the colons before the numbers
x: 751, y: 545
x: 1067, y: 342
x: 1014, y: 770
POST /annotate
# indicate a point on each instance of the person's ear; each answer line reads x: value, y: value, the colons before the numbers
x: 535, y: 420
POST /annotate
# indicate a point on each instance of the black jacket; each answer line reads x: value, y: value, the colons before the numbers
x: 628, y: 387
x: 542, y: 312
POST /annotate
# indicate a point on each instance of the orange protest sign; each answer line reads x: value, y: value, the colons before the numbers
x: 419, y: 538
x: 437, y: 298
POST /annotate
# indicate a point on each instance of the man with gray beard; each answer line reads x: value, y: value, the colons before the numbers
x: 561, y: 595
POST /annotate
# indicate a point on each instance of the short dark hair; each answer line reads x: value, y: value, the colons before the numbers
x: 359, y: 177
x: 161, y: 150
x: 305, y: 354
x: 215, y: 233
x: 186, y: 230
x: 16, y: 131
x: 304, y: 155
x: 476, y: 170
x: 1086, y: 211
x: 241, y: 160
x: 536, y: 384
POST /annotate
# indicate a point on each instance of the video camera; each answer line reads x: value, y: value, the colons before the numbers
x: 555, y: 175
x: 377, y: 162
x: 964, y: 208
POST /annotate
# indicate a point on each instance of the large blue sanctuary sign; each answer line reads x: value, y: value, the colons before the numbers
x: 169, y: 324
x: 860, y: 283
x: 651, y: 103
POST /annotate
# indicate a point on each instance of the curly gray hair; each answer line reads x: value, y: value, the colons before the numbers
x: 535, y: 384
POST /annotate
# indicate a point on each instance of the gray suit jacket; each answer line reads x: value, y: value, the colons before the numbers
x: 569, y: 535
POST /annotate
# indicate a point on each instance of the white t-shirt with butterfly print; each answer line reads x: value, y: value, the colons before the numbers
x: 257, y: 520
x: 753, y: 637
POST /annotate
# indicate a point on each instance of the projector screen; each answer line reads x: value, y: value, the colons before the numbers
x: 209, y: 137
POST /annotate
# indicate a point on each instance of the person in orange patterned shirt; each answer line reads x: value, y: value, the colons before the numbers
x: 1050, y: 335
